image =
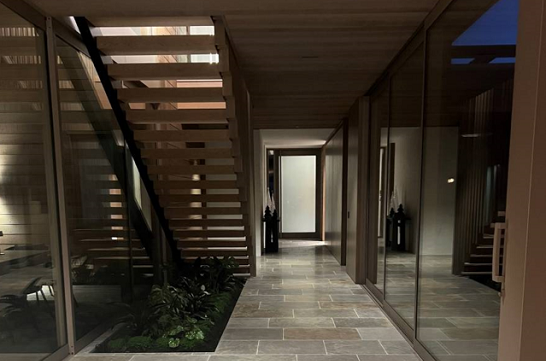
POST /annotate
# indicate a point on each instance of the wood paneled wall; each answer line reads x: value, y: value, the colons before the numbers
x: 357, y: 188
x: 335, y: 194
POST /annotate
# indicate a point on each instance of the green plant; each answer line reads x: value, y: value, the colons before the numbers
x: 118, y: 345
x: 217, y: 274
x: 197, y: 297
x: 162, y: 344
x: 139, y: 343
x: 135, y: 317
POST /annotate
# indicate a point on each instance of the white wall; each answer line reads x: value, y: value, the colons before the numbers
x: 438, y: 208
x: 407, y: 163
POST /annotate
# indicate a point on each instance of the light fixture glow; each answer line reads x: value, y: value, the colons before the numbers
x: 451, y: 180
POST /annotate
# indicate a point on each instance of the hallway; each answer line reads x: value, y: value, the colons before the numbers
x: 302, y: 306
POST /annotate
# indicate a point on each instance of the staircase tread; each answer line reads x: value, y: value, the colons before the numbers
x: 163, y: 71
x: 156, y: 45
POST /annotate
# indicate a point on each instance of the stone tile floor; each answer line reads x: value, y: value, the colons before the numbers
x: 302, y: 306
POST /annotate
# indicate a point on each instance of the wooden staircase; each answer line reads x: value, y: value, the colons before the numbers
x: 184, y: 118
x: 480, y: 260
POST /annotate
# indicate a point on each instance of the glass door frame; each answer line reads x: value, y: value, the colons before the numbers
x: 317, y: 152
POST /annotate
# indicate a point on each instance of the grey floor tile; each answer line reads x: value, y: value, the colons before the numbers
x: 325, y: 313
x: 472, y: 333
x: 313, y: 322
x: 321, y: 334
x: 397, y: 347
x: 291, y: 347
x: 370, y: 312
x: 253, y: 358
x: 380, y: 333
x: 262, y: 313
x: 167, y: 357
x: 462, y: 358
x: 354, y: 348
x: 288, y: 305
x: 232, y: 334
x: 348, y: 305
x: 362, y: 322
x: 327, y: 358
x: 307, y: 298
x: 389, y: 358
x: 248, y: 323
x: 237, y: 347
x: 470, y: 347
x: 352, y: 298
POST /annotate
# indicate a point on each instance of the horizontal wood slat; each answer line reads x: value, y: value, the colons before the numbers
x: 207, y: 223
x: 187, y: 170
x: 156, y: 45
x: 183, y: 198
x: 208, y: 243
x: 168, y: 185
x: 187, y: 153
x: 209, y: 233
x: 181, y: 135
x: 163, y: 71
x: 184, y: 212
x: 183, y: 116
x: 214, y: 252
x: 171, y: 95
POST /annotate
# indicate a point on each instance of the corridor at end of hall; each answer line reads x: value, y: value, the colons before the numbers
x: 302, y: 306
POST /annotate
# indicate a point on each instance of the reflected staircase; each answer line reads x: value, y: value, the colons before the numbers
x: 480, y: 260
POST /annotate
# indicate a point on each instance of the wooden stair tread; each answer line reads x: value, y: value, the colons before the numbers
x: 172, y: 212
x: 181, y: 136
x: 174, y: 185
x: 214, y: 252
x: 187, y: 153
x: 201, y: 198
x: 190, y: 169
x: 182, y: 116
x: 211, y: 243
x: 211, y: 233
x: 171, y: 95
x: 163, y: 71
x: 157, y: 45
x: 206, y: 222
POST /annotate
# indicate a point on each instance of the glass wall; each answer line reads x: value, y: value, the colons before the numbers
x: 379, y: 114
x: 63, y: 161
x: 404, y: 171
x: 470, y: 72
x: 32, y: 319
x: 93, y: 171
x: 443, y: 161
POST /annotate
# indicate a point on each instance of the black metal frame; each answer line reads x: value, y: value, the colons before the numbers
x: 98, y: 61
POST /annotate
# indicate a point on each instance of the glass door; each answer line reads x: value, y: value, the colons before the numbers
x: 299, y: 175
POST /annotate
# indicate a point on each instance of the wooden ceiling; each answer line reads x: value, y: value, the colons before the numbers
x: 305, y: 61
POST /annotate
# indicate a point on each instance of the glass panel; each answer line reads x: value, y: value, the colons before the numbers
x: 94, y: 175
x: 298, y: 193
x: 470, y: 69
x: 32, y: 323
x: 380, y: 123
x: 404, y: 170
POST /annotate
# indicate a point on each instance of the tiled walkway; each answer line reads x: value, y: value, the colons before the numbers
x: 301, y: 307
